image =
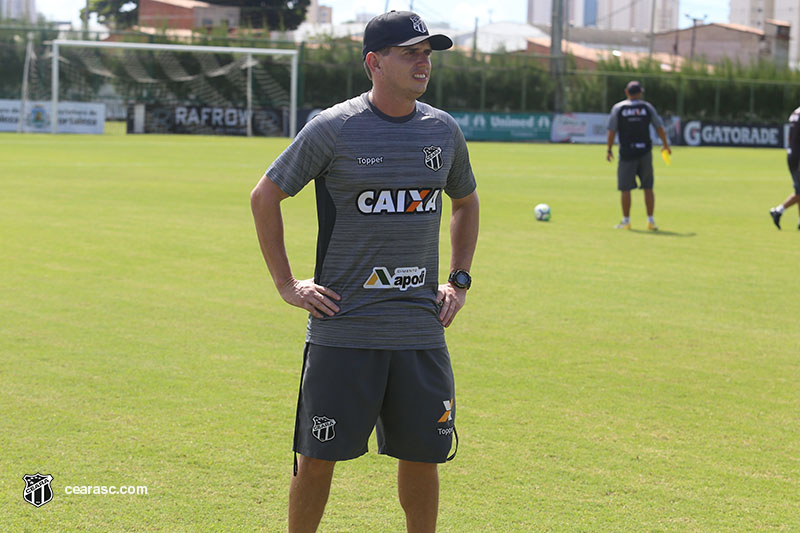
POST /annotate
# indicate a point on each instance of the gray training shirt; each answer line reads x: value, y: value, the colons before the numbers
x: 632, y: 120
x: 379, y: 183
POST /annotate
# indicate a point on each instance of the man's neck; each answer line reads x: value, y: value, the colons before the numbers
x: 392, y: 106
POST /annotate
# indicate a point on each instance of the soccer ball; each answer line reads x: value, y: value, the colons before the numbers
x: 542, y: 212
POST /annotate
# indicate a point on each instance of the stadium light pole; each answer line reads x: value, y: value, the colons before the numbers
x: 652, y: 30
x: 85, y: 22
x: 556, y: 54
x: 26, y: 67
x: 475, y: 40
x: 54, y: 90
x: 249, y: 95
x: 694, y: 31
x: 293, y: 95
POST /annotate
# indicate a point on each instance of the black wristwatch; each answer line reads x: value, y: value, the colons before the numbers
x: 460, y: 279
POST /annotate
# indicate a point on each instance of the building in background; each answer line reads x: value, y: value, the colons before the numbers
x: 317, y: 14
x: 588, y: 57
x: 623, y: 15
x: 498, y: 37
x: 540, y: 12
x: 637, y: 16
x: 756, y: 13
x: 590, y: 13
x: 21, y: 10
x: 185, y: 14
x: 716, y: 41
x: 609, y: 40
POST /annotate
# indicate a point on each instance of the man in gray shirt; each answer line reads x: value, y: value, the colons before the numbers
x: 631, y: 118
x: 375, y: 352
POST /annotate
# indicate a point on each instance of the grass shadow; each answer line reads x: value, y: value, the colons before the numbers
x: 663, y: 233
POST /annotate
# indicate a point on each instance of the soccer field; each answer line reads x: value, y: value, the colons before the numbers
x: 606, y: 380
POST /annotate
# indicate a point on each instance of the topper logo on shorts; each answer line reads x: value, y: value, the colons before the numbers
x: 398, y: 201
x: 404, y: 277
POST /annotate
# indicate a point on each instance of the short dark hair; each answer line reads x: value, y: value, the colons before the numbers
x: 634, y: 87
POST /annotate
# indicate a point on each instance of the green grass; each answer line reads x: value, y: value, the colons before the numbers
x: 606, y: 380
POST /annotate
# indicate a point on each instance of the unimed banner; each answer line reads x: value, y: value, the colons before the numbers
x: 700, y: 133
x: 73, y: 117
x: 504, y: 126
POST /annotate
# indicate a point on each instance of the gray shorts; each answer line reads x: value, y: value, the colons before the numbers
x: 628, y: 169
x: 408, y: 396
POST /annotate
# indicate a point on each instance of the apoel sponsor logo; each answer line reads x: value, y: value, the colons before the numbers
x: 403, y: 278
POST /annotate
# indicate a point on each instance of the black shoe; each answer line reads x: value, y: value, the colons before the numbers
x: 776, y: 217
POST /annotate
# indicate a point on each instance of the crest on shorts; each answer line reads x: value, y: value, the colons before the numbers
x: 418, y: 24
x: 37, y: 490
x: 433, y: 157
x: 323, y: 428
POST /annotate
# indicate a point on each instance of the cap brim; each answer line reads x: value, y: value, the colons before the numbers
x: 438, y: 41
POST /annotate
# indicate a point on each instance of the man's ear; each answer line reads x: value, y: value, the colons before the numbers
x: 373, y: 62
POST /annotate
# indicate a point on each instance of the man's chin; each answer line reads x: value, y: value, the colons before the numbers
x: 418, y: 92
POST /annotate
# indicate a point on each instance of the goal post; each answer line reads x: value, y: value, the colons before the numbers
x: 247, y: 52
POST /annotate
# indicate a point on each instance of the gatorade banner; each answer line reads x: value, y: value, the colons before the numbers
x: 701, y: 133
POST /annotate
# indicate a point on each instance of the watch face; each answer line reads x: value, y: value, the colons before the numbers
x: 461, y: 279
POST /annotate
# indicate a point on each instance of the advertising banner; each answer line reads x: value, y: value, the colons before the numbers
x: 701, y: 133
x: 591, y: 128
x: 204, y: 120
x: 504, y: 126
x: 579, y: 128
x: 73, y: 117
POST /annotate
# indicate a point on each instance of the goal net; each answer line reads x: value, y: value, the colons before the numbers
x: 162, y: 88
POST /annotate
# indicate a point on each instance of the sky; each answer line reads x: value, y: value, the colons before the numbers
x: 459, y: 14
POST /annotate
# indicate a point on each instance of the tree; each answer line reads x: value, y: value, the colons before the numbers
x: 118, y: 14
x: 269, y: 14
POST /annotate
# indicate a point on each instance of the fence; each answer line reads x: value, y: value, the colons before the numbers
x: 332, y: 71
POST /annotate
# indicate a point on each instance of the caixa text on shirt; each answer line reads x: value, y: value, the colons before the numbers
x: 638, y: 111
x: 392, y: 201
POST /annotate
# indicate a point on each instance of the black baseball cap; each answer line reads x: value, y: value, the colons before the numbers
x: 634, y: 87
x: 400, y: 28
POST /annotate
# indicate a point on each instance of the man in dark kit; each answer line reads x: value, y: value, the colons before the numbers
x: 793, y: 158
x: 631, y: 118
